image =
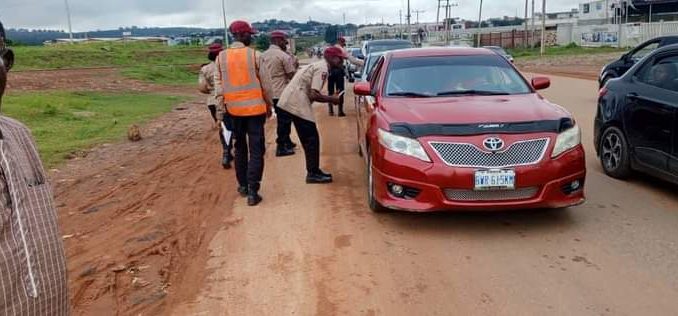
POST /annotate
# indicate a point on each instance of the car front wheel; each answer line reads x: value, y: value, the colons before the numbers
x: 372, y: 201
x: 614, y: 153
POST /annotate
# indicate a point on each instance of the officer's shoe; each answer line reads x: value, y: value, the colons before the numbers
x: 253, y: 199
x: 226, y: 162
x: 283, y: 151
x: 243, y: 191
x: 342, y: 114
x: 292, y: 145
x: 318, y: 178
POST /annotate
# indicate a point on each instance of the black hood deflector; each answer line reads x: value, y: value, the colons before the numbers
x: 422, y: 130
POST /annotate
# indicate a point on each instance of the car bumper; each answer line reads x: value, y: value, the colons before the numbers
x: 547, y: 179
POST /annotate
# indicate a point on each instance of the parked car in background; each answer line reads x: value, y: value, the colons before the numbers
x: 363, y: 74
x: 501, y: 52
x: 445, y: 129
x: 377, y: 46
x: 636, y: 126
x: 619, y: 67
x: 351, y: 69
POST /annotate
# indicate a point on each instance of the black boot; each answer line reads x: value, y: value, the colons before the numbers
x: 331, y: 110
x: 253, y: 197
x: 226, y: 161
x: 283, y: 151
x: 341, y: 111
x: 243, y: 191
x: 319, y: 177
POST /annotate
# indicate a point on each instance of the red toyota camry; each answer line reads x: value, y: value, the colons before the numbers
x: 461, y: 129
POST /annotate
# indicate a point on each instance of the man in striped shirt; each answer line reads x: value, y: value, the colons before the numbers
x: 32, y: 261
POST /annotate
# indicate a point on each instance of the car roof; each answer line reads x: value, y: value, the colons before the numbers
x: 388, y: 41
x: 665, y: 48
x: 439, y: 51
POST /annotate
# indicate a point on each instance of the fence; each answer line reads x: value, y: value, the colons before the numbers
x: 625, y: 35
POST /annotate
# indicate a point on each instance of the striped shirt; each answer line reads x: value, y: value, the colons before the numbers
x: 32, y: 262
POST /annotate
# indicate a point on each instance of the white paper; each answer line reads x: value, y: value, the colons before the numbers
x: 226, y: 133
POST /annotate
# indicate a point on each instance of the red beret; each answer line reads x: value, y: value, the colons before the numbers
x: 241, y: 27
x: 342, y: 39
x: 215, y: 48
x: 334, y: 52
x: 278, y: 34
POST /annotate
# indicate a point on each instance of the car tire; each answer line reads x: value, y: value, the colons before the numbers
x: 615, y: 156
x: 360, y: 147
x: 371, y: 200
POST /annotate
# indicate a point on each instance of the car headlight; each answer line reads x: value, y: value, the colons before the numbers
x: 402, y: 145
x: 567, y: 140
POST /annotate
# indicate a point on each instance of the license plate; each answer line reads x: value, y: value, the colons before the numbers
x: 495, y: 180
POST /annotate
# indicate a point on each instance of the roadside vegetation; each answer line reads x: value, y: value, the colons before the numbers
x: 66, y: 123
x: 152, y: 62
x: 571, y: 49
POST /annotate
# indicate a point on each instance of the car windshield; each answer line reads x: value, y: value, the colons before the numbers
x: 453, y: 76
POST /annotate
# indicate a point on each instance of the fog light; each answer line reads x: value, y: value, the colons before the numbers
x: 576, y: 185
x: 397, y: 190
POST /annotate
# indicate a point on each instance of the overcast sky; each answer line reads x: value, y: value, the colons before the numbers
x: 97, y: 14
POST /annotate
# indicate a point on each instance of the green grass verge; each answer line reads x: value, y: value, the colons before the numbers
x: 152, y: 62
x: 563, y: 51
x: 67, y: 122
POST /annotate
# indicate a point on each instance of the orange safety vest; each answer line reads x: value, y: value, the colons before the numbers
x: 243, y: 94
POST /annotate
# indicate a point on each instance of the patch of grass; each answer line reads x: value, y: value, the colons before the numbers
x: 571, y: 49
x: 151, y: 62
x: 67, y: 122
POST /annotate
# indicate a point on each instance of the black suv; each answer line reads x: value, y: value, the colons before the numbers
x: 619, y: 67
x: 636, y: 126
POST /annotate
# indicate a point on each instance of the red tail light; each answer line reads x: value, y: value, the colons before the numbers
x: 602, y: 92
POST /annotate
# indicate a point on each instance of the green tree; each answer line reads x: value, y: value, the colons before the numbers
x: 331, y: 34
x: 262, y: 42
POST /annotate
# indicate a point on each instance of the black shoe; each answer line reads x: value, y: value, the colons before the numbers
x: 322, y: 173
x: 226, y: 162
x: 254, y: 199
x: 243, y: 191
x: 284, y: 151
x: 342, y: 114
x: 331, y: 113
x: 291, y: 145
x: 318, y: 178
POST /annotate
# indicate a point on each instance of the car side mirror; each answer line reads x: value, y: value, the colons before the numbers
x: 541, y: 83
x: 362, y: 89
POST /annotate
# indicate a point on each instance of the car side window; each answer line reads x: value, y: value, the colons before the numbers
x: 641, y: 53
x: 661, y: 73
x: 376, y: 75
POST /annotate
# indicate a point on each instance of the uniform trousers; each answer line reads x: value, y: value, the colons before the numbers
x: 284, y: 128
x: 250, y: 148
x: 310, y: 141
x: 336, y: 83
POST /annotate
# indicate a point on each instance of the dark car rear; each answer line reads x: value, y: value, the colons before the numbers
x: 619, y: 67
x: 636, y: 127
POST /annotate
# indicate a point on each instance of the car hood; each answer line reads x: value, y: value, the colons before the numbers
x: 471, y: 109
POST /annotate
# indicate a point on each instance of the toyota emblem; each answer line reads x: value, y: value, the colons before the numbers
x: 493, y: 144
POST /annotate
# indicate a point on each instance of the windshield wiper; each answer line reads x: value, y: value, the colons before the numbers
x: 410, y: 94
x: 472, y: 92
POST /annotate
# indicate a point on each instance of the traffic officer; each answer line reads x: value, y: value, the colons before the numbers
x: 215, y: 103
x: 297, y: 101
x: 279, y: 68
x: 336, y: 82
x: 239, y: 80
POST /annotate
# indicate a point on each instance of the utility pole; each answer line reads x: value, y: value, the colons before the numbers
x: 447, y: 23
x: 543, y: 27
x: 526, y: 40
x: 344, y: 18
x: 533, y: 39
x: 480, y: 21
x: 401, y: 24
x: 68, y: 15
x: 417, y: 13
x: 409, y: 21
x: 223, y: 12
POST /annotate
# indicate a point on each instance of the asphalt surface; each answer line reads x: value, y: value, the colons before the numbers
x: 318, y: 250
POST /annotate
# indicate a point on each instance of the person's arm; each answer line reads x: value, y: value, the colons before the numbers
x: 316, y: 96
x: 203, y: 86
x: 265, y: 83
x: 290, y: 66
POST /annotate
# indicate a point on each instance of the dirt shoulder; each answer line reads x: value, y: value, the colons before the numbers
x: 574, y: 66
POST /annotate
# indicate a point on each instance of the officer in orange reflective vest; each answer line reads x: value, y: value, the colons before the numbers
x: 240, y: 83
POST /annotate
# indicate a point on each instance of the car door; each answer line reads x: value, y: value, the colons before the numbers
x: 650, y: 110
x: 369, y: 103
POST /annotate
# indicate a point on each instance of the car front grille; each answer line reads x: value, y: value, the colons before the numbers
x: 491, y: 195
x: 521, y: 153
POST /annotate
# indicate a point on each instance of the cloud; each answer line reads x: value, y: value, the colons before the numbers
x: 93, y: 14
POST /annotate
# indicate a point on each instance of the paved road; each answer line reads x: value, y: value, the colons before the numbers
x: 317, y: 250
